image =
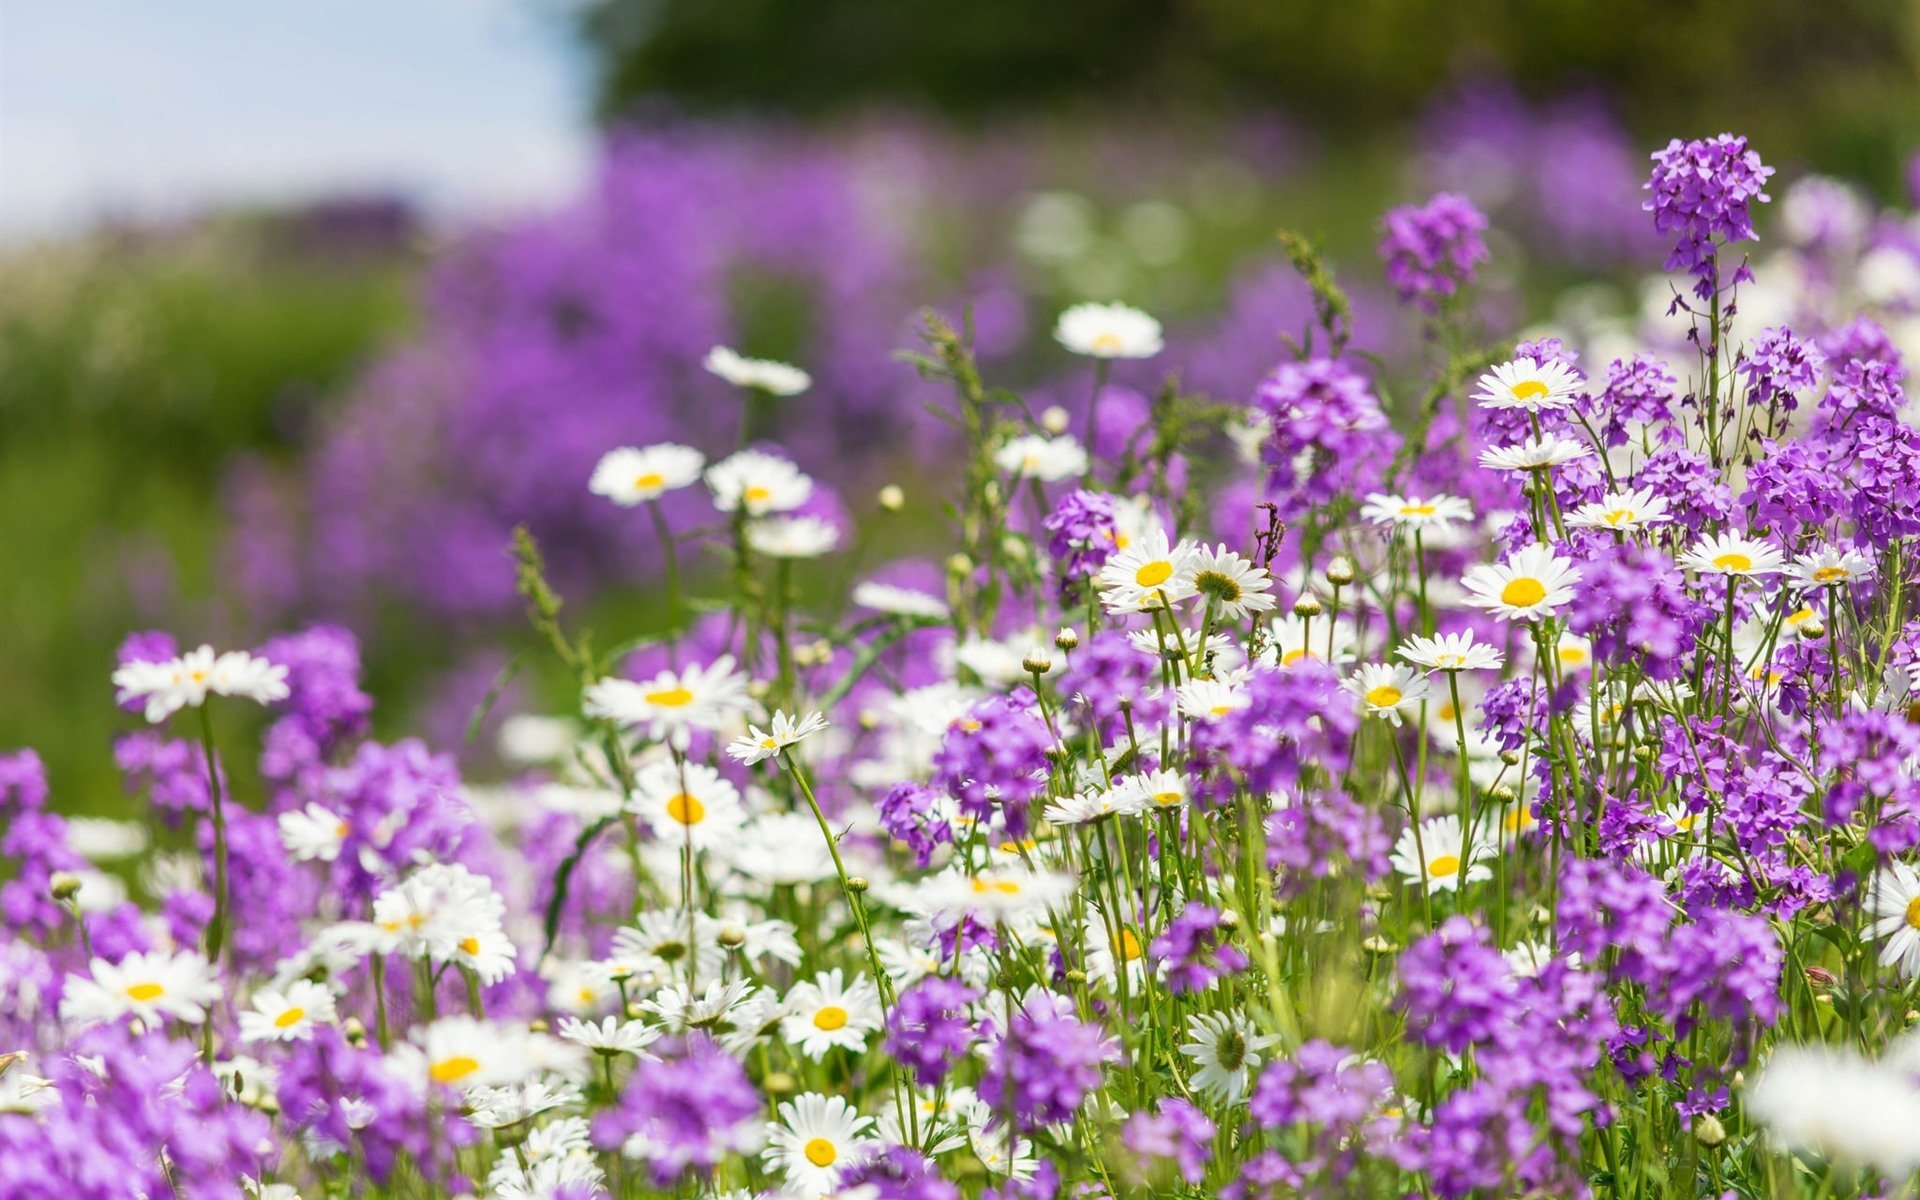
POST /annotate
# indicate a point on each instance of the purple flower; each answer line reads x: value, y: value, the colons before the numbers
x: 1175, y: 1131
x: 1779, y: 367
x: 928, y: 1030
x: 1329, y: 436
x: 1193, y: 952
x: 1701, y: 191
x: 1081, y: 533
x: 1044, y: 1065
x: 689, y: 1110
x: 994, y: 760
x: 1432, y: 249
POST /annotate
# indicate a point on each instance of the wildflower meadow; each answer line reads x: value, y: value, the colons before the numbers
x: 1478, y: 766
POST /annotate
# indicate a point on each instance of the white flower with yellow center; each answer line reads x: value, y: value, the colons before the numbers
x: 580, y: 988
x: 1386, y: 690
x: 186, y: 681
x: 1732, y: 555
x: 899, y: 601
x: 757, y: 483
x: 629, y: 476
x: 1084, y: 808
x: 781, y: 734
x: 1828, y: 567
x: 1208, y: 699
x: 1413, y: 512
x: 1525, y: 383
x: 792, y: 537
x: 1440, y: 868
x: 1148, y: 574
x: 1108, y: 331
x: 673, y: 702
x: 1225, y: 1050
x: 661, y: 942
x: 1536, y: 455
x: 1621, y: 512
x: 1155, y: 791
x: 148, y: 986
x: 463, y: 1052
x: 1008, y: 893
x: 1533, y: 583
x: 1048, y: 460
x: 287, y: 1015
x: 1573, y: 652
x: 313, y: 833
x: 1895, y: 902
x: 445, y: 913
x: 610, y: 1037
x: 1230, y: 584
x: 826, y: 1011
x: 1297, y: 639
x: 1111, y: 950
x: 757, y: 374
x: 686, y: 802
x: 1452, y: 652
x: 816, y: 1138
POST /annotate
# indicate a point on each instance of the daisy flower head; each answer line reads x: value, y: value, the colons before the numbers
x: 686, y: 803
x: 629, y: 476
x: 1413, y: 512
x: 148, y: 986
x: 289, y: 1015
x: 1828, y: 567
x: 825, y: 1012
x: 1296, y: 638
x: 1535, y: 582
x: 816, y: 1138
x: 1108, y: 331
x: 1007, y: 893
x: 1621, y: 511
x: 1525, y: 383
x: 1046, y: 459
x: 1735, y: 556
x: 899, y: 601
x: 463, y: 1052
x: 1205, y: 699
x: 313, y: 833
x: 782, y: 733
x: 1149, y: 574
x: 186, y: 681
x: 1386, y: 690
x: 1225, y: 1050
x: 1440, y: 868
x: 1083, y: 808
x: 1452, y: 652
x: 1231, y: 584
x: 1112, y: 950
x: 805, y: 536
x: 1895, y: 901
x: 610, y: 1037
x: 1538, y: 454
x: 1831, y: 1101
x: 757, y: 483
x: 758, y: 374
x: 673, y: 701
x: 1573, y: 652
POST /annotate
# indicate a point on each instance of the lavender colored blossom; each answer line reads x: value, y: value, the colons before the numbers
x: 928, y: 1030
x: 1431, y: 250
x: 687, y: 1111
x: 1703, y: 192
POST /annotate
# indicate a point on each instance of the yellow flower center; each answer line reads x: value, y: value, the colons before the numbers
x: 1126, y: 947
x: 587, y: 996
x: 1154, y: 573
x: 1524, y: 592
x: 1107, y: 341
x: 756, y: 494
x: 1167, y: 799
x: 1295, y: 655
x: 673, y: 697
x: 1572, y: 656
x: 830, y: 1017
x: 1733, y: 561
x: 1445, y: 711
x: 454, y: 1069
x: 1801, y: 617
x: 1221, y: 710
x: 289, y: 1018
x: 649, y: 481
x: 470, y: 945
x: 1529, y: 389
x: 1006, y: 887
x: 1913, y: 912
x: 1830, y: 574
x: 1384, y: 696
x: 143, y: 992
x: 686, y: 809
x: 1416, y: 510
x: 820, y: 1152
x: 1619, y: 516
x: 1443, y: 866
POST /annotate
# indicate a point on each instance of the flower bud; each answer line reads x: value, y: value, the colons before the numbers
x: 858, y: 884
x: 355, y: 1031
x: 1036, y: 662
x: 1076, y: 976
x: 1054, y: 419
x: 732, y: 937
x: 959, y: 564
x: 1340, y: 571
x: 779, y: 1083
x: 64, y: 885
x: 892, y: 499
x: 1708, y: 1131
x: 1066, y: 639
x: 1378, y: 945
x: 1308, y: 605
x: 1813, y: 629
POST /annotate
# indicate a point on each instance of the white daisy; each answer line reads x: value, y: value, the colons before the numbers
x: 1008, y: 893
x: 1452, y: 652
x: 1828, y: 567
x: 1108, y: 331
x: 825, y: 1012
x: 1829, y: 1100
x: 102, y: 840
x: 1574, y: 652
x: 1524, y: 383
x: 1205, y: 699
x: 1231, y: 584
x: 792, y: 537
x: 661, y: 942
x: 186, y: 681
x: 899, y: 601
x: 1441, y: 868
x: 630, y: 476
x: 1533, y: 583
x: 1148, y: 574
x: 1110, y: 951
x: 289, y: 1015
x: 313, y: 833
x: 760, y: 374
x: 1621, y: 511
x: 1155, y: 791
x: 735, y: 1013
x: 1387, y: 690
x: 816, y: 1138
x: 686, y: 802
x: 1084, y: 808
x: 1295, y: 638
x: 673, y: 702
x: 757, y: 483
x: 609, y: 1037
x: 464, y: 1052
x: 1549, y: 451
x: 1895, y: 900
x: 1048, y: 460
x: 1225, y: 1050
x: 782, y: 733
x: 1731, y: 554
x: 1413, y: 512
x: 148, y: 986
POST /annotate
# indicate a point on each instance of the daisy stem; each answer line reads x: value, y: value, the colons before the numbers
x: 1466, y: 782
x: 880, y: 979
x: 216, y: 928
x: 1100, y: 368
x: 672, y: 555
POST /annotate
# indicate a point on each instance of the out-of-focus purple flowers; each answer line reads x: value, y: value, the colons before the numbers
x: 1431, y: 250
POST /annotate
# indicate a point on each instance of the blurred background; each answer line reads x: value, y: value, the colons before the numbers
x: 303, y: 305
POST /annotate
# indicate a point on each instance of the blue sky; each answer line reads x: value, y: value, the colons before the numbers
x: 162, y: 107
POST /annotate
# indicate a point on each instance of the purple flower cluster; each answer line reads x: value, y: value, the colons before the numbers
x: 1702, y: 191
x: 1324, y: 412
x: 1194, y: 952
x: 689, y: 1110
x: 1043, y: 1065
x: 994, y: 760
x: 1431, y: 250
x: 928, y: 1030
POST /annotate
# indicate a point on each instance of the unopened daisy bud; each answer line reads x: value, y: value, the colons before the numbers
x: 990, y: 491
x: 1340, y: 571
x: 1504, y: 794
x: 959, y: 564
x: 1377, y: 945
x: 1066, y: 639
x: 1708, y: 1131
x: 779, y: 1083
x: 1510, y: 757
x: 1036, y: 662
x: 733, y: 937
x: 1308, y: 605
x: 1054, y: 419
x: 63, y: 885
x: 1076, y: 977
x: 537, y: 1025
x: 1003, y: 980
x: 1015, y: 548
x: 1812, y: 630
x: 858, y: 884
x: 892, y: 499
x: 355, y: 1031
x: 869, y: 719
x: 1643, y: 753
